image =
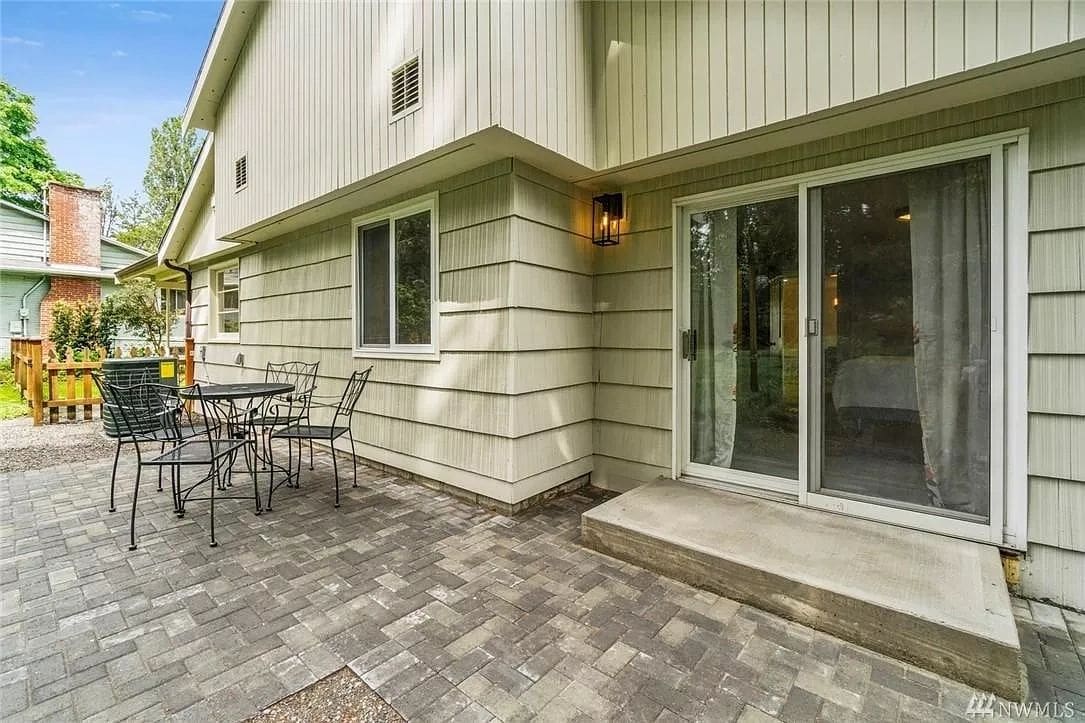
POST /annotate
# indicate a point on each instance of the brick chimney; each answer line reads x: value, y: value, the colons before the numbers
x: 75, y: 225
x: 75, y: 238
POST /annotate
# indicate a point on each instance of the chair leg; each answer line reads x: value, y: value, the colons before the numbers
x: 310, y: 454
x: 161, y: 450
x: 335, y: 469
x: 353, y: 456
x: 218, y: 479
x: 256, y: 485
x: 175, y: 487
x: 132, y: 524
x: 113, y: 479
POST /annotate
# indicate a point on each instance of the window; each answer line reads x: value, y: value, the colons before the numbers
x: 395, y: 280
x: 406, y: 87
x: 241, y: 173
x: 171, y: 300
x: 224, y: 300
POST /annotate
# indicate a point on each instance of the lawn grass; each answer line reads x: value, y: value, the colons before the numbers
x: 11, y: 402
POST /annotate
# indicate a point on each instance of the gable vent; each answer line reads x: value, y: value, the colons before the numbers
x: 406, y: 86
x: 241, y: 173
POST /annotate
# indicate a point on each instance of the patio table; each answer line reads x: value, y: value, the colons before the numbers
x: 239, y: 420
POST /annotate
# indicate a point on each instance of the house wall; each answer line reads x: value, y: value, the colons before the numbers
x: 203, y: 240
x: 12, y: 288
x: 672, y: 74
x: 322, y: 121
x: 634, y: 303
x: 22, y: 237
x: 117, y: 257
x: 506, y: 411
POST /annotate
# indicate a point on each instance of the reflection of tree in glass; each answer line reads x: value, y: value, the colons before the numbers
x: 413, y: 292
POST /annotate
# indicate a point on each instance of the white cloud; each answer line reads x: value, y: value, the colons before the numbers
x: 16, y: 40
x: 80, y: 73
x: 150, y: 16
x: 119, y: 54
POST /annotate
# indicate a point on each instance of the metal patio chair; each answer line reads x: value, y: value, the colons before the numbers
x: 344, y: 409
x: 285, y: 410
x: 106, y: 389
x: 153, y: 414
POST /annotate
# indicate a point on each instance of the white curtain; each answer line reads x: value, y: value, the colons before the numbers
x: 950, y: 241
x: 714, y: 313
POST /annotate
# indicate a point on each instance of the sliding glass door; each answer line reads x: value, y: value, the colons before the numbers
x: 840, y: 342
x: 903, y: 354
x: 742, y: 342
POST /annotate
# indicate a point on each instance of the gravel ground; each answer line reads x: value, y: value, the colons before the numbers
x: 24, y: 446
x: 342, y: 696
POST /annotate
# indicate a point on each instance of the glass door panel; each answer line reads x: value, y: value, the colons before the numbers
x: 903, y: 357
x: 744, y: 322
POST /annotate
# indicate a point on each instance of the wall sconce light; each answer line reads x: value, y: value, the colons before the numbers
x: 606, y: 219
x: 903, y: 214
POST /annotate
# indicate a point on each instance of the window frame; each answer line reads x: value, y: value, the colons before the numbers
x: 389, y: 214
x: 216, y: 303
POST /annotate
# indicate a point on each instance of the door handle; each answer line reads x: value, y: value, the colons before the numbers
x: 689, y: 344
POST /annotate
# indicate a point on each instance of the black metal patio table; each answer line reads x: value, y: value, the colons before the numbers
x: 239, y: 420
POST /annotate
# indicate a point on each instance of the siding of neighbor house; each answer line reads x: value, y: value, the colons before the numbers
x: 672, y: 74
x: 633, y: 310
x: 12, y: 288
x: 22, y: 237
x: 117, y: 257
x: 506, y: 411
x: 479, y: 69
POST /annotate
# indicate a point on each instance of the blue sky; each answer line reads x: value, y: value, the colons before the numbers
x: 103, y: 74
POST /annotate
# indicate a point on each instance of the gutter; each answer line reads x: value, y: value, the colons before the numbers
x: 24, y: 318
x: 188, y: 294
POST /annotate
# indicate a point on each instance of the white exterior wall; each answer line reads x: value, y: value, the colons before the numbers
x: 673, y: 74
x: 322, y: 120
x: 633, y: 436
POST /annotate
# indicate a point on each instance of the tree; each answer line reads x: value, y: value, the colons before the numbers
x: 25, y: 163
x: 146, y: 217
x: 135, y: 307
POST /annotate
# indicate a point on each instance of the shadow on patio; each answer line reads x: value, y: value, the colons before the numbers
x: 441, y: 607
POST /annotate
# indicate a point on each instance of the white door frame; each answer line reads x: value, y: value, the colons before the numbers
x: 1009, y: 358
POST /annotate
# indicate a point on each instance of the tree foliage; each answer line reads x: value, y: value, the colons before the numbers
x: 135, y: 307
x: 25, y: 163
x: 84, y: 325
x: 145, y: 216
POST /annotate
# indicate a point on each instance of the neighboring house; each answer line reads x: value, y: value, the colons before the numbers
x: 851, y: 261
x: 58, y: 255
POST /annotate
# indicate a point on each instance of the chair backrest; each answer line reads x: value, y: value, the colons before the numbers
x: 351, y: 393
x: 301, y: 374
x: 141, y: 411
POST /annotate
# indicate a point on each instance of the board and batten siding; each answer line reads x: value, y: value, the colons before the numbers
x: 633, y: 300
x: 506, y: 411
x: 22, y: 237
x: 323, y: 121
x: 668, y: 74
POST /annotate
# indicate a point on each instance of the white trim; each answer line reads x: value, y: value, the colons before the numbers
x: 1007, y: 523
x: 425, y: 352
x: 216, y: 336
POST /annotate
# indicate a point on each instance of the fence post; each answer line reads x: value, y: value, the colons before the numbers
x: 190, y: 361
x: 35, y: 381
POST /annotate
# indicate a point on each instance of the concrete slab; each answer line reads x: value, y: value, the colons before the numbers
x: 934, y: 601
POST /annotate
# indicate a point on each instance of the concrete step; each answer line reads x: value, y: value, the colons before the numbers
x: 934, y: 601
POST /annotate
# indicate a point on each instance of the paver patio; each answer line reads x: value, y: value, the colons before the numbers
x: 446, y: 610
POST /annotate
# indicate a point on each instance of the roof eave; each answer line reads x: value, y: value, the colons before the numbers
x: 201, y: 184
x: 218, y: 63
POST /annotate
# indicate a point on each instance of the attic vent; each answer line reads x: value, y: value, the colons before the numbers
x: 241, y: 173
x: 406, y: 87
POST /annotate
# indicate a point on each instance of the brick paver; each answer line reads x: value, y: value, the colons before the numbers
x: 448, y: 611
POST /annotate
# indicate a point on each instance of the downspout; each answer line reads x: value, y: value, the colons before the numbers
x: 188, y: 294
x: 24, y: 313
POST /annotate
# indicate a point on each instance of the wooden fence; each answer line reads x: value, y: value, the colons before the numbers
x: 50, y: 385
